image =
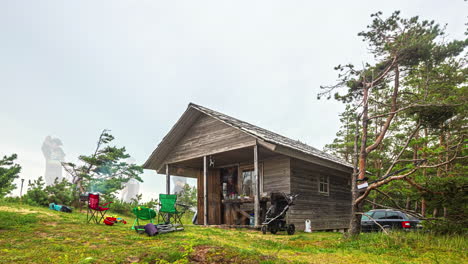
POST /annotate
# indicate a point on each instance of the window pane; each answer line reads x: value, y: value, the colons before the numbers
x: 365, y: 217
x: 379, y: 215
x: 410, y: 217
x: 247, y: 183
x: 323, y: 184
x: 393, y: 215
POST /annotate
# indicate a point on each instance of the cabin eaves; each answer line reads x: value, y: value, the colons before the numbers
x: 264, y: 137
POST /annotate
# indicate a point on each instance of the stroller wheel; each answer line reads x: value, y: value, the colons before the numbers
x: 273, y: 230
x: 291, y: 229
x: 264, y: 229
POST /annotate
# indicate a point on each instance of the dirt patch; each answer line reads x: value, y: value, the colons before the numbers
x: 41, y: 234
x: 210, y: 254
x: 200, y: 254
x: 132, y: 259
x: 51, y: 224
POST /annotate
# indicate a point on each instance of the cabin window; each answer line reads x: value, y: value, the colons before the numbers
x: 324, y: 184
x: 247, y: 183
x: 246, y: 180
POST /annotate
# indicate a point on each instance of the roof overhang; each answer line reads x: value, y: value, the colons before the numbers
x: 157, y: 159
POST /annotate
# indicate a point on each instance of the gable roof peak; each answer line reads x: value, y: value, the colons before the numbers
x: 268, y: 136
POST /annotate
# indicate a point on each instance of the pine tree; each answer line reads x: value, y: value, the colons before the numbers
x: 9, y: 171
x: 418, y: 82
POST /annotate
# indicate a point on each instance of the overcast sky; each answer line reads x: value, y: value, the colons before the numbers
x: 72, y: 68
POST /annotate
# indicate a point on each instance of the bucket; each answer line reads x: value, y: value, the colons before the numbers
x: 308, y: 227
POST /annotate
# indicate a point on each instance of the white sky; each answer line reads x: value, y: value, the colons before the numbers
x: 72, y: 68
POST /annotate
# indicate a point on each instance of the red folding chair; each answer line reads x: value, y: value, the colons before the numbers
x: 95, y: 211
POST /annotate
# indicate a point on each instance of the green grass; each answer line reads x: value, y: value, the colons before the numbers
x: 38, y: 235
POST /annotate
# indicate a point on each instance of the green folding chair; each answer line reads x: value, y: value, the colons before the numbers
x: 142, y: 213
x: 168, y: 209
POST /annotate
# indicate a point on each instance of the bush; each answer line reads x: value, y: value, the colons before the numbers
x: 444, y: 226
x: 124, y: 208
x: 36, y: 194
x: 121, y: 207
x: 59, y: 193
x: 8, y: 199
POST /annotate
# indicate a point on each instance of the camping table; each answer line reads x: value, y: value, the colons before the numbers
x: 232, y: 209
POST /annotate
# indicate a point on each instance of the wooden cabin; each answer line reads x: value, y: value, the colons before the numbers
x: 238, y: 165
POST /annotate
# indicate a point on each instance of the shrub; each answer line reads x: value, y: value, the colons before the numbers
x: 442, y: 226
x: 59, y: 193
x: 36, y: 194
x: 124, y: 208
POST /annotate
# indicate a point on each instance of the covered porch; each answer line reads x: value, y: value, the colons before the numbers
x: 229, y: 185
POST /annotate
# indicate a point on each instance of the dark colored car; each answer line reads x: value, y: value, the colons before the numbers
x: 388, y: 219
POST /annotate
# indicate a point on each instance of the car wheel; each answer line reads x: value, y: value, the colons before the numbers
x: 264, y: 229
x: 387, y: 229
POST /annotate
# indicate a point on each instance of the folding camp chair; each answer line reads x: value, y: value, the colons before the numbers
x: 96, y: 212
x: 142, y: 213
x: 168, y: 209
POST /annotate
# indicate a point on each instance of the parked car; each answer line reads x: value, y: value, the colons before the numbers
x: 388, y: 219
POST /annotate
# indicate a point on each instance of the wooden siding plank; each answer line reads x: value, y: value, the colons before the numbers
x: 330, y: 211
x: 276, y: 173
x: 208, y: 136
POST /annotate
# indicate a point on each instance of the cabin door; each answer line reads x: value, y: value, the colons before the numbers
x: 214, y: 198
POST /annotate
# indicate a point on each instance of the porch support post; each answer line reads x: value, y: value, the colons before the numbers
x: 256, y: 188
x: 168, y: 180
x: 205, y: 194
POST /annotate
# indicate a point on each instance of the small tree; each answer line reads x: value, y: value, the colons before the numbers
x: 188, y: 196
x: 106, y: 170
x: 36, y: 194
x: 9, y: 171
x: 61, y: 192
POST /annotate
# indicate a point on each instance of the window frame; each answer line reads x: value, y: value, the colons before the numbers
x: 324, y: 183
x: 250, y: 167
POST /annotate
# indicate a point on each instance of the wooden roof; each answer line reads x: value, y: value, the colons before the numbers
x: 266, y: 138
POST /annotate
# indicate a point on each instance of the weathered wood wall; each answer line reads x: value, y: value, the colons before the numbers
x: 208, y: 136
x: 276, y: 175
x: 325, y: 211
x: 214, y: 197
x: 200, y: 197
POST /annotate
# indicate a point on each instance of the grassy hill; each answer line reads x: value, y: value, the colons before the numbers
x: 39, y: 235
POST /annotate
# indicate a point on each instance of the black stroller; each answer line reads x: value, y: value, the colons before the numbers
x: 275, y: 216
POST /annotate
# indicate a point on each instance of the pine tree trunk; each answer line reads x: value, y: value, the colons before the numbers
x: 434, y: 213
x: 445, y: 212
x: 355, y: 221
x: 423, y: 207
x: 408, y: 203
